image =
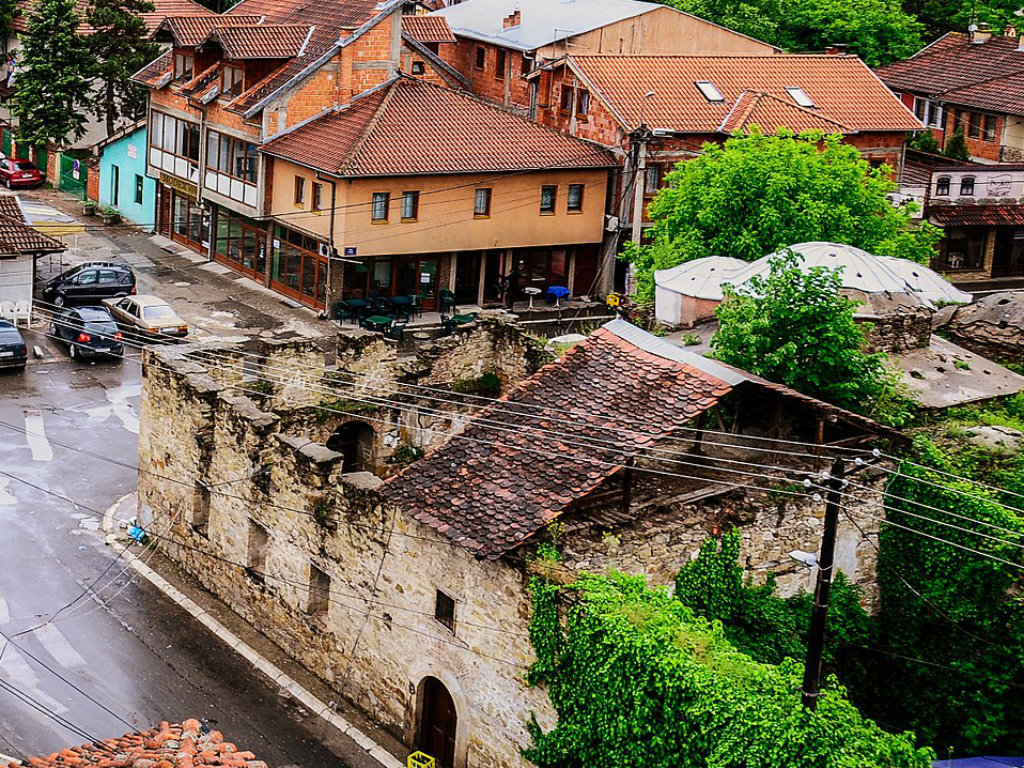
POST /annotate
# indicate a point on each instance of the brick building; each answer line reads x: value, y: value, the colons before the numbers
x: 228, y: 84
x: 975, y: 80
x: 410, y: 596
x: 449, y: 210
x: 676, y: 103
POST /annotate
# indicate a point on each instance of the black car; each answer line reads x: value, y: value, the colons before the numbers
x: 88, y: 332
x: 89, y: 284
x: 13, y: 351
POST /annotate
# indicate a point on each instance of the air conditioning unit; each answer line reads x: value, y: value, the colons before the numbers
x: 611, y: 223
x: 326, y: 251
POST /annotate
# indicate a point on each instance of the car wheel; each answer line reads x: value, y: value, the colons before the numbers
x: 8, y: 183
x: 59, y: 301
x: 53, y: 330
x: 73, y: 351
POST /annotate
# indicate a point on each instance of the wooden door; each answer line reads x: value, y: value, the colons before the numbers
x: 438, y: 723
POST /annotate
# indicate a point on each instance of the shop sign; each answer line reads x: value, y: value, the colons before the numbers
x: 179, y: 185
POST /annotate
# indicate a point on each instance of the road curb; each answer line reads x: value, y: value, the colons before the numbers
x: 282, y: 680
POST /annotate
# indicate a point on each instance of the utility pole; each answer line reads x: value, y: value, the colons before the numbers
x: 823, y: 587
x: 641, y: 136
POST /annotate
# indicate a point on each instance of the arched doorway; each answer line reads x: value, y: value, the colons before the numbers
x: 438, y: 721
x: 354, y: 441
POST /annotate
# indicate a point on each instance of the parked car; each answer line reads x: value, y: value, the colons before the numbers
x: 13, y: 350
x: 19, y: 173
x: 88, y: 332
x: 89, y: 284
x: 147, y: 317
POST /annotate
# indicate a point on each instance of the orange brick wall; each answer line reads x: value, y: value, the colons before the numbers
x: 92, y: 183
x: 600, y: 125
x: 483, y: 83
x: 316, y: 94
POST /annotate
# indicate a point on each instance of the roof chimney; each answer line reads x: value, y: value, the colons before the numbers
x: 980, y: 33
x: 835, y: 49
x: 1010, y: 31
x: 514, y: 19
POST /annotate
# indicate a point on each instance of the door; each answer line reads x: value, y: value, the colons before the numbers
x: 1008, y: 256
x: 115, y: 185
x: 83, y: 285
x: 438, y: 722
x: 467, y: 278
x: 164, y: 224
x: 416, y: 276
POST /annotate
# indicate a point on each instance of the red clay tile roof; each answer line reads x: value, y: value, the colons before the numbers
x: 989, y: 75
x: 977, y: 215
x: 161, y: 10
x: 265, y: 41
x: 177, y: 745
x: 428, y: 29
x: 153, y: 73
x: 410, y: 127
x: 190, y: 31
x: 496, y: 484
x: 17, y: 235
x: 842, y: 88
x: 770, y: 113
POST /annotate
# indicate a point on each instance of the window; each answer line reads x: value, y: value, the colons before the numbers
x: 139, y: 188
x: 418, y: 68
x: 548, y: 198
x: 318, y: 197
x: 653, y: 181
x: 444, y: 610
x: 410, y: 206
x: 974, y: 125
x: 183, y: 67
x: 988, y: 129
x: 565, y: 105
x: 798, y: 96
x: 967, y: 186
x: 201, y: 509
x: 231, y: 78
x: 115, y: 185
x: 499, y: 64
x: 482, y: 203
x: 259, y: 543
x: 319, y: 592
x: 381, y: 202
x: 575, y: 198
x: 233, y: 157
x: 709, y: 91
x: 300, y: 190
x: 963, y: 248
x: 481, y: 57
x: 942, y: 186
x: 525, y: 66
x: 582, y: 103
x: 178, y: 137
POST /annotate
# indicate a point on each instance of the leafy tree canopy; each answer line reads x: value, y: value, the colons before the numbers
x: 639, y: 681
x: 796, y: 328
x: 52, y: 83
x: 756, y: 194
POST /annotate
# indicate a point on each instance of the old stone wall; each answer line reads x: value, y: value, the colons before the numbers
x: 901, y: 330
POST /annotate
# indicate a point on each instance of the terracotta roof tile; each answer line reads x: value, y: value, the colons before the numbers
x: 438, y: 131
x: 264, y: 41
x: 161, y: 10
x: 988, y: 75
x: 844, y: 91
x: 156, y: 71
x: 17, y: 235
x: 170, y: 744
x: 977, y: 215
x: 770, y: 113
x: 495, y: 485
x: 190, y: 31
x: 428, y: 29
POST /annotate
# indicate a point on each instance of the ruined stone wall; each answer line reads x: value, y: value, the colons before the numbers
x: 900, y: 331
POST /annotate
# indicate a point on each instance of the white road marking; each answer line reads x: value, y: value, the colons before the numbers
x: 118, y: 397
x: 35, y: 434
x: 58, y: 646
x: 5, y: 614
x: 7, y: 499
x: 19, y: 674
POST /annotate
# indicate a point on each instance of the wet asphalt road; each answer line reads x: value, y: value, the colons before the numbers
x: 127, y: 648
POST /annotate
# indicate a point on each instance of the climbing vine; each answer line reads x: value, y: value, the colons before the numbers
x: 638, y: 679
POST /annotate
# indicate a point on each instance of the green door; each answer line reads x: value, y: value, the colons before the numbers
x: 74, y: 176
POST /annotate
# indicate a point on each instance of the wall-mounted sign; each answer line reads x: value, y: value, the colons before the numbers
x: 179, y: 185
x: 133, y: 151
x: 351, y: 250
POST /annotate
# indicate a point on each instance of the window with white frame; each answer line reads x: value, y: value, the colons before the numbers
x: 929, y: 112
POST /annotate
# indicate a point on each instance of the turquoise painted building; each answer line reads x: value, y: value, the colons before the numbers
x: 123, y: 181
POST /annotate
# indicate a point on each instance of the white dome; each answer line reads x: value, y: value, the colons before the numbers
x: 861, y: 271
x: 700, y: 278
x: 926, y: 282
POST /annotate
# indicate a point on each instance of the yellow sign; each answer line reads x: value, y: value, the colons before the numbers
x: 179, y: 185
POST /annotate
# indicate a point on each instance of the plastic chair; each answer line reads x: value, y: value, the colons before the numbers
x: 7, y: 310
x: 447, y: 300
x: 343, y: 311
x: 23, y: 311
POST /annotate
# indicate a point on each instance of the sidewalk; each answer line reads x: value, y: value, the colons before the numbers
x: 349, y: 734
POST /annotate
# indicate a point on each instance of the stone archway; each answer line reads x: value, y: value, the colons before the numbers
x: 354, y: 440
x: 438, y: 722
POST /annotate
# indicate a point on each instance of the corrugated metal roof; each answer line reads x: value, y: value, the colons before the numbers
x: 542, y: 21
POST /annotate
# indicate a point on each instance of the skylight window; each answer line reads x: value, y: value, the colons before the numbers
x: 801, y: 98
x: 711, y: 93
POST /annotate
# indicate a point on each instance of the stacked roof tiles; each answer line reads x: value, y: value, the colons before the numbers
x: 439, y: 130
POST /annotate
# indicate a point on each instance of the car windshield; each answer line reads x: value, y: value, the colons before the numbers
x: 101, y: 328
x: 24, y: 166
x: 158, y: 312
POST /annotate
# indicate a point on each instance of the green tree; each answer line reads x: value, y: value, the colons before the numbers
x: 956, y: 145
x: 757, y: 18
x: 8, y: 10
x: 796, y: 328
x: 52, y: 85
x: 924, y: 141
x: 119, y: 48
x: 756, y: 194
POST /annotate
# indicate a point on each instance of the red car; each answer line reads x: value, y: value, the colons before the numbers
x: 19, y: 173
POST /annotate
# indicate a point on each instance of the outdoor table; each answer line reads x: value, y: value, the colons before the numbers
x: 531, y: 292
x: 558, y: 292
x: 378, y: 323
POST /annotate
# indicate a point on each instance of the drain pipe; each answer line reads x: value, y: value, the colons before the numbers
x: 330, y: 241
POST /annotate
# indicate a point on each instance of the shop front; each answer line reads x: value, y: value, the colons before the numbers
x: 240, y: 244
x: 297, y: 268
x: 179, y: 217
x: 395, y: 276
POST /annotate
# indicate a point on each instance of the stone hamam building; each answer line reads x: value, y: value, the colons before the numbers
x: 292, y: 483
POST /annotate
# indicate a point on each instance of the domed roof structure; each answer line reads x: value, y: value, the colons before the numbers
x: 700, y: 278
x: 926, y: 282
x: 861, y: 271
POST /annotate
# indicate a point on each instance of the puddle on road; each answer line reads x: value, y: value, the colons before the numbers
x: 117, y: 404
x: 35, y: 436
x: 7, y: 499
